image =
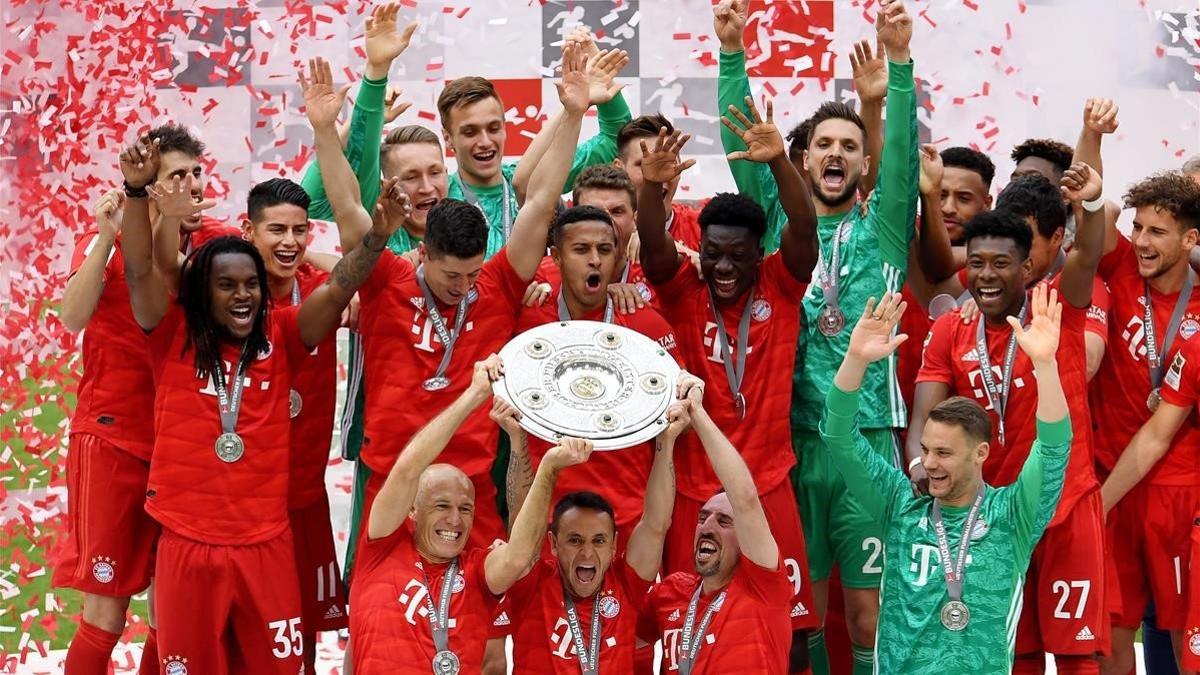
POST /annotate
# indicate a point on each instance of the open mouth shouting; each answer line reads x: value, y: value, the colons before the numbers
x: 242, y: 314
x: 833, y: 178
x: 939, y: 481
x: 485, y: 157
x: 725, y: 287
x: 1148, y: 259
x: 989, y: 294
x: 592, y: 282
x: 585, y: 574
x: 425, y: 205
x: 706, y: 551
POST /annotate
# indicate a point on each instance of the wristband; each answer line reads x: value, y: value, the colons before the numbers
x: 1094, y: 205
x: 135, y: 192
x: 915, y: 461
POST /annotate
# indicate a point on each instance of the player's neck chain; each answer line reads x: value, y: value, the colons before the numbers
x: 690, y: 641
x: 831, y: 320
x: 955, y: 615
x: 445, y: 662
x: 506, y: 217
x: 439, y: 380
x: 735, y: 368
x: 997, y: 392
x: 229, y: 446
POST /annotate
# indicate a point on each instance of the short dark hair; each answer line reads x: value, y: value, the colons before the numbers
x: 966, y: 414
x: 1056, y: 152
x: 834, y: 110
x: 734, y: 210
x: 643, y: 126
x: 1000, y: 224
x: 604, y: 177
x: 971, y: 160
x: 1033, y: 196
x: 455, y: 228
x: 273, y: 193
x: 797, y: 139
x: 173, y: 137
x: 582, y: 499
x: 1170, y: 191
x: 577, y: 214
x: 465, y: 91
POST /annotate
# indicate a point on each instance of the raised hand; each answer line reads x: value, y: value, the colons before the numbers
x: 872, y: 338
x: 139, y: 162
x: 569, y: 452
x: 763, y: 140
x: 688, y: 387
x: 679, y: 418
x: 394, y: 209
x: 383, y: 42
x: 105, y: 210
x: 1081, y: 184
x: 932, y: 171
x: 869, y: 71
x: 322, y: 103
x: 1100, y: 115
x: 573, y: 88
x: 661, y: 164
x: 894, y: 29
x: 393, y: 105
x: 582, y: 35
x: 486, y: 372
x: 601, y: 70
x: 173, y: 198
x: 506, y: 417
x: 1040, y: 340
x: 729, y: 23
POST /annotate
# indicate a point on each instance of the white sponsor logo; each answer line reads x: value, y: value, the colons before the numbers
x: 1085, y: 634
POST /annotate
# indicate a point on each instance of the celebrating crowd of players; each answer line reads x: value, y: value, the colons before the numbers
x: 973, y: 424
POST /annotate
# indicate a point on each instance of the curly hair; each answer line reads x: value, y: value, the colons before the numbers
x: 604, y: 177
x: 1169, y: 191
x: 1035, y: 197
x: 1000, y: 224
x: 1057, y: 153
x: 578, y: 214
x: 734, y: 210
x: 455, y: 228
x: 971, y: 160
x: 176, y: 138
x: 797, y: 139
x: 644, y: 126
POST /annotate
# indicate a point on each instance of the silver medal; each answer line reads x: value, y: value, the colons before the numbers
x: 831, y: 321
x: 229, y: 447
x: 436, y: 383
x: 1154, y: 399
x: 445, y: 662
x: 955, y: 615
x: 295, y: 404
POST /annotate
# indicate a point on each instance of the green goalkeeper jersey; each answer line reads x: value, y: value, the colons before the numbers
x: 873, y: 255
x: 910, y: 637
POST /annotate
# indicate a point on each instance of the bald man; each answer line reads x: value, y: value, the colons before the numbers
x: 420, y: 598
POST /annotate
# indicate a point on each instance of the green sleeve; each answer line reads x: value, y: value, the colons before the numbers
x: 752, y: 178
x: 873, y: 482
x: 1038, y: 487
x: 893, y: 207
x: 362, y: 151
x: 601, y: 148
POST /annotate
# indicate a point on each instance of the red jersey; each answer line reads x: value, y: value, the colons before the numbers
x: 915, y: 323
x: 193, y: 492
x: 116, y: 387
x: 618, y: 476
x: 316, y: 387
x: 1123, y: 383
x: 543, y: 642
x: 951, y: 358
x: 684, y: 225
x: 750, y: 632
x: 392, y: 587
x: 1181, y: 387
x: 549, y: 273
x: 401, y: 350
x: 210, y: 228
x: 764, y: 437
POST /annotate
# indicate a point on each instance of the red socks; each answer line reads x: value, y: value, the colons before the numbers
x: 90, y: 652
x: 149, y: 664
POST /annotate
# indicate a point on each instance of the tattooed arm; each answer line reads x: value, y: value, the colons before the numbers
x: 321, y: 312
x: 519, y: 475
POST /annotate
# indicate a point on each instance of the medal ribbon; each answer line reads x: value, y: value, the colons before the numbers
x: 954, y: 575
x: 1154, y: 355
x: 735, y: 369
x: 439, y: 617
x: 689, y: 642
x: 229, y: 402
x: 997, y: 393
x: 828, y: 276
x: 589, y: 660
x: 506, y: 217
x: 295, y: 292
x: 565, y: 315
x: 439, y: 324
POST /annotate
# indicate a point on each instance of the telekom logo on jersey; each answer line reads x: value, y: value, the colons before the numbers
x: 926, y: 561
x: 414, y: 600
x: 564, y: 641
x: 422, y: 327
x: 714, y: 345
x: 671, y: 638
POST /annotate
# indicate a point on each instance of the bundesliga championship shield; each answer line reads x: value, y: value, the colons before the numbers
x: 591, y: 380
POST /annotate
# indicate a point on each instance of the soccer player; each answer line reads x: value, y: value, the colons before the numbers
x: 581, y: 605
x: 683, y: 221
x: 954, y: 561
x: 737, y: 327
x: 423, y: 594
x: 728, y: 610
x: 979, y: 360
x: 1154, y: 308
x: 216, y: 481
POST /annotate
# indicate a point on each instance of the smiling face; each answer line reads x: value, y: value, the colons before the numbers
x: 1162, y: 244
x: 476, y: 133
x: 281, y: 236
x: 586, y: 256
x: 953, y: 461
x: 729, y: 259
x: 715, y: 547
x: 443, y: 512
x: 236, y: 293
x: 422, y: 173
x: 585, y: 543
x: 835, y: 161
x: 996, y: 276
x: 964, y: 195
x: 175, y: 163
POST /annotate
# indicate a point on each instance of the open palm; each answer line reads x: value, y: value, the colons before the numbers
x: 762, y: 138
x: 661, y: 164
x: 1040, y: 339
x: 872, y: 338
x: 322, y: 103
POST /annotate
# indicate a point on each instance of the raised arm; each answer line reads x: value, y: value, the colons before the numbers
x: 395, y: 498
x: 507, y: 563
x: 935, y: 253
x: 764, y: 144
x: 173, y: 200
x: 519, y: 476
x: 870, y: 74
x: 147, y: 291
x: 527, y: 244
x: 660, y: 165
x: 1099, y: 119
x: 1082, y: 187
x: 86, y: 284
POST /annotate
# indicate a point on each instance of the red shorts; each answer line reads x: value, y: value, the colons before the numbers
x: 1150, y: 534
x: 1190, y: 652
x: 1065, y: 605
x: 322, y: 594
x: 784, y: 518
x: 227, y: 608
x: 110, y: 546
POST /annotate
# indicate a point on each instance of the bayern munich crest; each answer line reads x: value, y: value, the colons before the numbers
x: 175, y: 665
x: 102, y: 570
x: 459, y: 584
x: 1194, y: 642
x: 610, y: 607
x: 761, y: 310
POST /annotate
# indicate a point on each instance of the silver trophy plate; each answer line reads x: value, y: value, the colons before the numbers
x: 606, y: 383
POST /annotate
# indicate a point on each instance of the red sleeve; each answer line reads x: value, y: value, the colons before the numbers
x: 1111, y: 262
x: 770, y: 586
x: 1181, y: 382
x: 647, y: 627
x: 776, y: 272
x: 654, y: 326
x: 499, y: 270
x: 936, y: 360
x: 388, y: 265
x: 521, y: 594
x: 635, y: 587
x: 1097, y: 315
x: 962, y: 278
x: 163, y: 335
x: 478, y: 557
x: 681, y: 282
x: 285, y: 328
x: 372, y: 552
x: 547, y: 272
x: 83, y: 246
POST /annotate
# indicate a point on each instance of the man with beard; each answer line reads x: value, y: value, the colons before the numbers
x: 580, y: 605
x: 738, y: 327
x: 976, y: 537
